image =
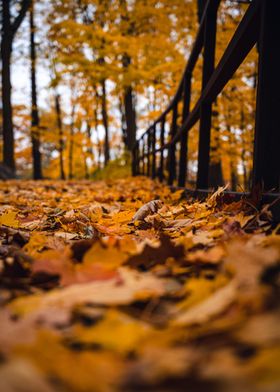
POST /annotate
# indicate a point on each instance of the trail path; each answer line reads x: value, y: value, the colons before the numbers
x: 126, y: 286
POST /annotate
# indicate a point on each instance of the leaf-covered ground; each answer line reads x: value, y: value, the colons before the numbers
x: 101, y: 291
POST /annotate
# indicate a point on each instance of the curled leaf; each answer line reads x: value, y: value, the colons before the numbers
x: 147, y: 209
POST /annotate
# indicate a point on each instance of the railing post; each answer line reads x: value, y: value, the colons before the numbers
x: 149, y: 153
x: 206, y: 107
x: 172, y: 147
x: 154, y: 151
x: 184, y: 137
x: 137, y: 159
x: 162, y: 132
x: 134, y: 158
x: 143, y: 156
x: 266, y: 169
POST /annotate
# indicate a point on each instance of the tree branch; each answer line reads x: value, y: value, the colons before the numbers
x: 25, y: 4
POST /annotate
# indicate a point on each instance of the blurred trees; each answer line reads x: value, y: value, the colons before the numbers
x: 114, y: 65
x: 35, y: 121
x: 10, y: 26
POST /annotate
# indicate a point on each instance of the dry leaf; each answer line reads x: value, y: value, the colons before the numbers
x: 149, y: 208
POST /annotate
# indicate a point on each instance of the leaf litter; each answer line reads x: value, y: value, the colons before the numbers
x: 127, y: 286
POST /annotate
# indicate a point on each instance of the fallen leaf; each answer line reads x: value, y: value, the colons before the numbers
x: 8, y: 218
x: 116, y: 331
x: 209, y: 308
x: 127, y: 287
x: 149, y: 208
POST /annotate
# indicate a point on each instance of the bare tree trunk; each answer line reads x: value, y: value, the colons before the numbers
x: 8, y: 134
x: 98, y: 143
x: 6, y: 51
x: 71, y: 142
x: 100, y: 19
x: 60, y: 130
x: 89, y: 149
x: 215, y: 168
x: 105, y: 123
x: 123, y: 121
x: 216, y: 174
x: 233, y: 177
x: 8, y: 32
x: 99, y: 148
x: 130, y: 115
x: 86, y: 167
x: 99, y: 151
x: 35, y: 122
x: 129, y: 106
x: 243, y: 150
x: 244, y: 168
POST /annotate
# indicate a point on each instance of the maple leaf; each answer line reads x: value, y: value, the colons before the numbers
x: 210, y: 307
x: 56, y: 263
x: 115, y: 331
x: 153, y: 255
x: 84, y: 371
x: 8, y: 218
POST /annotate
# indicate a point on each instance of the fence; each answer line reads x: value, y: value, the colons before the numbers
x: 259, y: 25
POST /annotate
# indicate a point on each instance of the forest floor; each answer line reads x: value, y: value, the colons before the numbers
x: 126, y: 286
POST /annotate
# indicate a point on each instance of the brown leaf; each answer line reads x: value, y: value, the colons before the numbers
x: 149, y: 208
x: 153, y: 255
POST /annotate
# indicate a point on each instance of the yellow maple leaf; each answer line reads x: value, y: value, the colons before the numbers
x: 9, y: 219
x: 84, y: 371
x: 116, y: 331
x: 109, y: 256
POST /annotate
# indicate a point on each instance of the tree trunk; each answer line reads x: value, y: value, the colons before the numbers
x: 98, y: 143
x: 7, y: 35
x: 105, y: 123
x: 123, y: 121
x: 129, y: 106
x: 60, y: 130
x: 130, y: 117
x: 71, y: 143
x: 35, y: 137
x: 243, y: 150
x: 233, y: 176
x: 215, y: 168
x: 99, y: 148
x: 129, y: 109
x: 89, y: 149
x: 6, y: 51
x: 244, y: 168
x: 86, y: 167
x: 216, y: 174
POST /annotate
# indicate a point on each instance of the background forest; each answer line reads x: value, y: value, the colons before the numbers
x: 89, y: 76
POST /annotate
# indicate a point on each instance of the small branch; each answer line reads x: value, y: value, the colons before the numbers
x: 25, y: 4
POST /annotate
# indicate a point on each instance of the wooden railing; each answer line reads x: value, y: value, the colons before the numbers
x: 259, y: 25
